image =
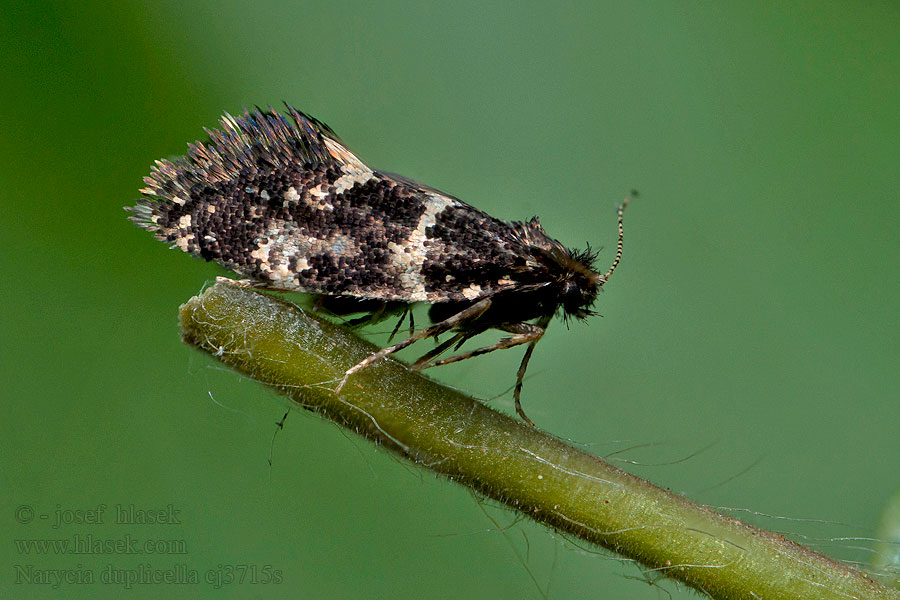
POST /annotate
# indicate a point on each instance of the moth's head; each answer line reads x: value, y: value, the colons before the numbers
x: 581, y: 282
x: 572, y: 280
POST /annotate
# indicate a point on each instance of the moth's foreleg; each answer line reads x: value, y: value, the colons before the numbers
x: 523, y: 366
x: 471, y: 312
x: 520, y: 376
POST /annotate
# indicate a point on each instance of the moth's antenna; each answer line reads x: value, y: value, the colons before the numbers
x: 621, y: 211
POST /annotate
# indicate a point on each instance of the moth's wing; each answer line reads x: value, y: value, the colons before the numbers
x: 281, y: 200
x: 467, y: 253
x: 420, y: 187
x: 250, y: 195
x: 248, y: 149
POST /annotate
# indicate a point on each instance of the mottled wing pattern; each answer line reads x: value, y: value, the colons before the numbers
x: 281, y: 200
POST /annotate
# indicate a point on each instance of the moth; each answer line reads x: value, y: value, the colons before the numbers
x: 279, y: 199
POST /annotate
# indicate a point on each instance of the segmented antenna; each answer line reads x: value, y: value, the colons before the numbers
x: 618, y: 258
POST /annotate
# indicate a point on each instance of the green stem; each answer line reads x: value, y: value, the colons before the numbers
x: 303, y: 356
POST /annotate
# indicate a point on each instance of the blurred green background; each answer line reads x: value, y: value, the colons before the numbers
x: 748, y: 354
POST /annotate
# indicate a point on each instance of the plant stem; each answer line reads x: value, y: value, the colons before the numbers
x: 303, y: 356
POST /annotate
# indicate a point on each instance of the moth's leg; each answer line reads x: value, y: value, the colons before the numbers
x: 374, y: 311
x: 400, y: 322
x: 520, y: 376
x: 363, y: 320
x: 246, y: 283
x: 459, y: 338
x: 447, y: 324
x: 523, y: 366
x: 524, y: 333
x: 375, y: 315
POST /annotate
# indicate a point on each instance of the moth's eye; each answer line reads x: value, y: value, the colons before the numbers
x: 576, y: 297
x: 572, y: 296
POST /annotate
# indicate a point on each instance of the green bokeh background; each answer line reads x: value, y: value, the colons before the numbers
x: 748, y: 355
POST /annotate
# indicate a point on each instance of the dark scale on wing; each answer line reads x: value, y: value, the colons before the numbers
x: 374, y: 215
x: 474, y: 248
x: 381, y: 210
x: 229, y: 219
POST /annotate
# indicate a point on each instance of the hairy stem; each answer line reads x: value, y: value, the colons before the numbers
x: 304, y: 356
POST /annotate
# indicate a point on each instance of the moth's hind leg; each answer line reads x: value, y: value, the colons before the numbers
x: 375, y: 310
x: 246, y: 283
x: 457, y: 339
x: 523, y: 334
x: 373, y: 317
x: 447, y: 324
